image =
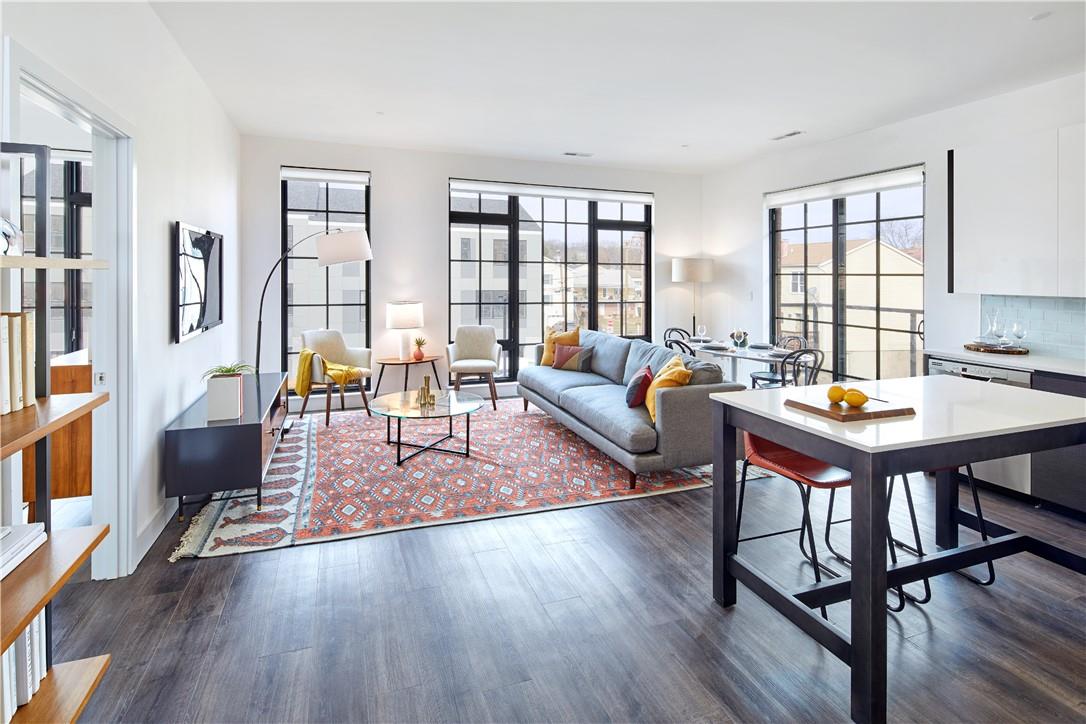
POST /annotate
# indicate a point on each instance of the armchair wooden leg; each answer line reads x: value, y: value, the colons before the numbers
x: 633, y: 480
x: 365, y: 400
x: 456, y: 383
x: 328, y: 406
x: 342, y: 398
x: 493, y: 390
x: 525, y: 404
x: 305, y: 401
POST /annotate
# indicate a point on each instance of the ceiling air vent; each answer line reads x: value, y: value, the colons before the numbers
x: 577, y: 154
x: 783, y: 136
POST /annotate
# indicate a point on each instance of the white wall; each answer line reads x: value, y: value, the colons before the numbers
x: 734, y: 221
x: 409, y: 227
x: 187, y: 157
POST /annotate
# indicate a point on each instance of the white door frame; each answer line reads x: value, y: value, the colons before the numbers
x: 113, y: 333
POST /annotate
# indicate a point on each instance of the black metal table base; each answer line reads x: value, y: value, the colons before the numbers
x: 429, y: 447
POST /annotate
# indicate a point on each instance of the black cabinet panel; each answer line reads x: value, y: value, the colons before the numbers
x: 1059, y: 476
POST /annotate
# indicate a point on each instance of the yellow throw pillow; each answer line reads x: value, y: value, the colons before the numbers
x: 673, y: 374
x: 572, y: 338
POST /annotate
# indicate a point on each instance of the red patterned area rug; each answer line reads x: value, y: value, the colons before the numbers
x: 340, y: 481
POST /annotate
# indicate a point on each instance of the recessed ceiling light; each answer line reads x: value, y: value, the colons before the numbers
x: 577, y: 154
x: 380, y: 113
x: 1041, y: 16
x: 783, y: 136
x: 685, y: 145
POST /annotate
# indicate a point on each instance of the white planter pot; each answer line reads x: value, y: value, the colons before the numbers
x: 224, y: 397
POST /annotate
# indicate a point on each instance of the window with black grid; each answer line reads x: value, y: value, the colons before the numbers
x: 333, y: 297
x: 579, y: 261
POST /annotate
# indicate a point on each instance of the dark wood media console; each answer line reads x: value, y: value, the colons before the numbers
x: 210, y: 456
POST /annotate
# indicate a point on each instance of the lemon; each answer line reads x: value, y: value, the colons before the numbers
x: 836, y: 393
x: 855, y: 398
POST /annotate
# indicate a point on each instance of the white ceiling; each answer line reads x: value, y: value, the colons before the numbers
x: 629, y: 82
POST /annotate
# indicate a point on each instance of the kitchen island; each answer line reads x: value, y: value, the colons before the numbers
x: 957, y: 421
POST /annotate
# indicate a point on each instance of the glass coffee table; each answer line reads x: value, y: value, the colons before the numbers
x: 403, y: 406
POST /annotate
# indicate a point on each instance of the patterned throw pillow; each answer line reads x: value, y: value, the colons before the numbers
x: 673, y: 374
x: 638, y: 387
x: 573, y: 336
x: 569, y: 357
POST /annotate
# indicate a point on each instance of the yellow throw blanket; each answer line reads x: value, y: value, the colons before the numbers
x: 342, y: 374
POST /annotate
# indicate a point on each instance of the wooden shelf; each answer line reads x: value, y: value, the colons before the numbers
x: 64, y: 691
x: 25, y: 591
x: 50, y: 262
x: 25, y: 427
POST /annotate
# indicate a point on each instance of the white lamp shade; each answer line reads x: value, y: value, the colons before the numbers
x: 691, y: 269
x: 341, y: 247
x: 403, y: 315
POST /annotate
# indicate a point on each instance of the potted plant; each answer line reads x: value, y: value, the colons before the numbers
x: 224, y: 390
x: 420, y: 342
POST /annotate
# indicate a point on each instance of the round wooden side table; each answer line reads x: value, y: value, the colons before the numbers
x: 430, y: 359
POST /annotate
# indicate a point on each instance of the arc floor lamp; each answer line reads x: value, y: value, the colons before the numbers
x: 334, y: 246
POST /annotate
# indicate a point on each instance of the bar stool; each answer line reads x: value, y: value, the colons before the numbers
x: 807, y: 473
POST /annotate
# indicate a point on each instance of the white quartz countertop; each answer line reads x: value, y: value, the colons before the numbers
x: 948, y: 409
x: 1029, y: 362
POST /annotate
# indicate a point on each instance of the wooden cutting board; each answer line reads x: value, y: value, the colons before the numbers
x: 994, y: 349
x: 873, y: 410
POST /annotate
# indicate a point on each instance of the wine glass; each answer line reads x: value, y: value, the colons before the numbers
x: 1019, y: 331
x: 999, y: 329
x: 702, y: 330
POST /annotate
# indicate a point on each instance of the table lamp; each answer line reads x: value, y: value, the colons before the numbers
x: 696, y: 270
x: 406, y: 316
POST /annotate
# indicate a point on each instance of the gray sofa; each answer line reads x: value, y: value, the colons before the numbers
x: 593, y: 404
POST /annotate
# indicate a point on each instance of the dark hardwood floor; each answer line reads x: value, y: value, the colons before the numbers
x: 601, y: 613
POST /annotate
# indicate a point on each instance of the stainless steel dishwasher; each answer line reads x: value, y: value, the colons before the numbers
x: 1012, y: 472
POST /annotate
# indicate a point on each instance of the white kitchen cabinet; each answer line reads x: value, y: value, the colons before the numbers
x: 1005, y: 215
x: 1071, y: 212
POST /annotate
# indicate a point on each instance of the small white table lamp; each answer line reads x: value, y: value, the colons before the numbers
x: 696, y: 270
x: 406, y: 316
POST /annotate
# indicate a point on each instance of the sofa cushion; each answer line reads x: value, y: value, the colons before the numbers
x: 638, y: 387
x: 609, y: 353
x: 656, y: 356
x: 673, y: 374
x: 551, y: 383
x: 572, y: 358
x: 603, y: 408
x: 554, y: 337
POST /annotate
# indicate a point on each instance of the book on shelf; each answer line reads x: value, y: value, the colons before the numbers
x: 17, y: 543
x: 18, y: 360
x: 5, y: 370
x: 15, y: 361
x: 7, y: 700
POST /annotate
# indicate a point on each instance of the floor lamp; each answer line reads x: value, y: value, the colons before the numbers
x: 695, y: 270
x: 334, y: 246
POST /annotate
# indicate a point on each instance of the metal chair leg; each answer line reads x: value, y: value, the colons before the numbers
x: 829, y: 521
x: 901, y: 596
x: 918, y: 548
x: 983, y: 532
x: 739, y: 507
x: 806, y: 527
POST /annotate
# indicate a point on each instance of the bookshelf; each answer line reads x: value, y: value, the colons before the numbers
x: 31, y: 587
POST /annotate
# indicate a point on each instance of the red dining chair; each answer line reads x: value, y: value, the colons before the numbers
x: 809, y: 473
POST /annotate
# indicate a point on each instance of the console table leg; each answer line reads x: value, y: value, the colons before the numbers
x: 437, y: 378
x: 379, y: 376
x: 406, y: 370
x: 467, y: 435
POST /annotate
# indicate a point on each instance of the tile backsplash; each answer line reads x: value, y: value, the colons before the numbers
x: 1055, y: 326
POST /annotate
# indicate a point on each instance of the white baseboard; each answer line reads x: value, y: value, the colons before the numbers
x: 152, y: 530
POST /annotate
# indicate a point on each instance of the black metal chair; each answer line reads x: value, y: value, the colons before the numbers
x: 800, y: 364
x: 678, y: 345
x: 676, y: 333
x: 792, y: 342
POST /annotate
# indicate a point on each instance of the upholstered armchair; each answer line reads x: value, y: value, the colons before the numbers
x: 475, y: 352
x: 328, y: 345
